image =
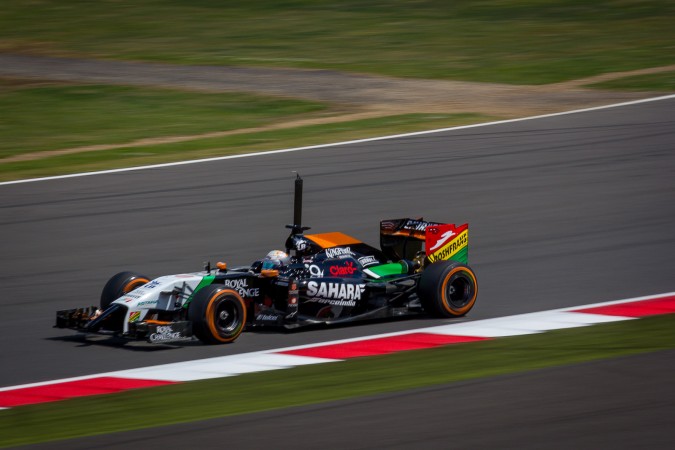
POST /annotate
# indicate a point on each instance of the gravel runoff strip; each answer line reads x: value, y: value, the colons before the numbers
x: 360, y: 91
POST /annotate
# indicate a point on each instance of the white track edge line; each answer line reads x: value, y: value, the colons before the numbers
x: 616, y: 302
x: 335, y: 144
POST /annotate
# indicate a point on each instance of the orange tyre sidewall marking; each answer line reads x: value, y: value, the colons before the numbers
x: 469, y: 305
x: 211, y: 318
x: 133, y: 284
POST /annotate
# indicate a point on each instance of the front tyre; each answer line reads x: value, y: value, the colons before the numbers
x: 218, y: 314
x: 448, y: 289
x: 119, y: 285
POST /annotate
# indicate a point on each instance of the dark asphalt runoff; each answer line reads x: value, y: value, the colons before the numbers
x: 563, y: 211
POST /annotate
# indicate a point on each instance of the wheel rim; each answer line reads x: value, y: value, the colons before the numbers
x: 227, y: 317
x: 459, y: 291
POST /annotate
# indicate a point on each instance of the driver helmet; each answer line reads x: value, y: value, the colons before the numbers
x: 275, y: 259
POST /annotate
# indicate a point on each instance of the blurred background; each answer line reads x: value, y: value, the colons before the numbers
x: 94, y: 85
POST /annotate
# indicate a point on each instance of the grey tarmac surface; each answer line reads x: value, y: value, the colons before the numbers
x: 601, y: 404
x: 564, y: 211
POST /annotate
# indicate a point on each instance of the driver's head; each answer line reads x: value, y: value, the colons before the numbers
x: 275, y: 259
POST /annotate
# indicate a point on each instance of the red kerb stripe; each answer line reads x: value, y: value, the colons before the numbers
x: 71, y: 389
x: 380, y: 346
x: 657, y: 306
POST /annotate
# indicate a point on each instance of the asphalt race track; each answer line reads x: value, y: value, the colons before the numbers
x: 563, y: 211
x: 566, y: 210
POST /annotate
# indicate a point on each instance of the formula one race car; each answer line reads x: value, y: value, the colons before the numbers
x: 420, y: 267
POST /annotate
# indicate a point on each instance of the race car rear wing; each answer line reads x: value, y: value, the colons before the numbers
x: 404, y: 238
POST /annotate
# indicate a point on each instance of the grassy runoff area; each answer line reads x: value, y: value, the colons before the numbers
x: 507, y: 41
x: 52, y: 116
x: 513, y: 41
x: 57, y: 116
x: 326, y: 382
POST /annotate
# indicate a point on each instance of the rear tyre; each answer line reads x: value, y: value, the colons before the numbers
x: 120, y: 284
x: 218, y: 314
x: 448, y: 289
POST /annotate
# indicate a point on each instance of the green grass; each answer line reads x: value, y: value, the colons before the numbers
x: 511, y: 41
x: 235, y: 144
x: 48, y: 117
x: 656, y: 82
x: 326, y: 382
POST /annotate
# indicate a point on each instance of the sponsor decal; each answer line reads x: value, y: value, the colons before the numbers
x: 251, y: 292
x: 164, y: 334
x: 293, y: 294
x: 388, y: 225
x: 406, y: 227
x: 236, y: 284
x: 300, y: 244
x: 337, y: 252
x: 147, y: 303
x: 134, y: 316
x: 343, y: 270
x: 366, y: 261
x: 337, y: 294
x: 452, y: 247
x: 315, y: 271
x: 241, y: 286
x: 418, y: 225
x: 267, y: 317
x: 443, y: 239
x: 333, y: 302
x: 151, y: 285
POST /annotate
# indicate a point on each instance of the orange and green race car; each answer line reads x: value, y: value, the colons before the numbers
x: 420, y: 267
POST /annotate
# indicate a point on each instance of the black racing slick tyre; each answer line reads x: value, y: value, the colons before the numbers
x: 120, y: 284
x: 218, y: 314
x: 448, y: 289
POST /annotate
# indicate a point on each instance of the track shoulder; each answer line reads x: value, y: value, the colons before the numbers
x: 599, y: 404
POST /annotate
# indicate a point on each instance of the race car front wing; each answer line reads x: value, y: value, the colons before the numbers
x: 151, y: 331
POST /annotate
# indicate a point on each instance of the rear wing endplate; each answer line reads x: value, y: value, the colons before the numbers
x: 445, y: 242
x: 403, y: 239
